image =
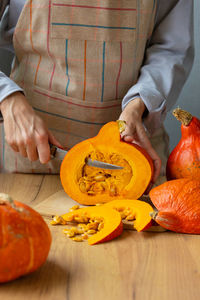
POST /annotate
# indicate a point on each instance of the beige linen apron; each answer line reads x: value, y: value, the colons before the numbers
x: 75, y: 61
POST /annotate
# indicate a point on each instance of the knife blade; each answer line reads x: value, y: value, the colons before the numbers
x: 60, y: 154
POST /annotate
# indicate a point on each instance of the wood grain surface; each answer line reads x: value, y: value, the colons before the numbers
x: 135, y: 266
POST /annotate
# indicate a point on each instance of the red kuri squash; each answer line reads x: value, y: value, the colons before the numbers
x: 25, y: 239
x: 184, y: 160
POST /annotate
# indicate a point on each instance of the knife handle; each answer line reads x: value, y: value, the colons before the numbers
x: 53, y: 150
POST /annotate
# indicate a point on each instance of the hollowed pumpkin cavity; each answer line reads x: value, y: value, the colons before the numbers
x: 94, y: 181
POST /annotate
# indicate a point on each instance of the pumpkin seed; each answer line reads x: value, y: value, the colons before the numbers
x: 100, y: 226
x: 99, y: 177
x: 82, y: 187
x: 54, y: 222
x: 58, y: 220
x: 130, y: 217
x: 74, y: 229
x: 78, y: 239
x: 85, y: 236
x: 82, y: 226
x: 74, y: 207
x: 91, y: 193
x: 113, y: 190
x: 91, y: 231
x: 70, y: 234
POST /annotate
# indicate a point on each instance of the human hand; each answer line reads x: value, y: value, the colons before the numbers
x: 135, y: 132
x: 25, y: 131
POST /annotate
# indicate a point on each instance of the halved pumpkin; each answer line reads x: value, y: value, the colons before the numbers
x: 89, y: 185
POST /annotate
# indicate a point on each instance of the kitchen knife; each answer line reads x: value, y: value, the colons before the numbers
x: 60, y: 154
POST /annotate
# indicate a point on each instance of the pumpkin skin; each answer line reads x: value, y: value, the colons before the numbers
x: 131, y: 182
x: 25, y: 239
x: 113, y: 225
x: 178, y: 205
x: 140, y: 209
x: 184, y: 160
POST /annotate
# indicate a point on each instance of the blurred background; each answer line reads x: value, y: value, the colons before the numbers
x: 189, y: 98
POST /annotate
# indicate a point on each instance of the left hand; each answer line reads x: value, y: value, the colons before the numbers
x: 135, y: 132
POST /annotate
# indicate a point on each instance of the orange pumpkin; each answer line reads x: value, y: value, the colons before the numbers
x: 184, y: 160
x: 25, y: 239
x: 178, y: 205
x: 89, y: 185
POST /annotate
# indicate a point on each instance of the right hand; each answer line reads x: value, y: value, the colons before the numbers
x: 25, y: 131
x: 135, y: 133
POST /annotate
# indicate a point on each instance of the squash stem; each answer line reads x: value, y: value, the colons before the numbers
x: 6, y: 199
x: 121, y: 125
x: 183, y: 116
x: 153, y: 214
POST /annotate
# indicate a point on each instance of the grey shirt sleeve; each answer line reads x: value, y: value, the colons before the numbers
x: 7, y: 86
x: 168, y: 61
x: 3, y: 5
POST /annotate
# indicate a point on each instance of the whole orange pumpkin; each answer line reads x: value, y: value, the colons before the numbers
x: 184, y: 160
x: 25, y: 239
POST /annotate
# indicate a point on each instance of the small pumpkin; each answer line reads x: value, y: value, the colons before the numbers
x: 178, y: 205
x: 110, y: 220
x: 184, y: 160
x: 25, y: 239
x: 89, y: 185
x: 136, y: 210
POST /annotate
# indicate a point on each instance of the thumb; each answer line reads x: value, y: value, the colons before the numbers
x: 128, y: 134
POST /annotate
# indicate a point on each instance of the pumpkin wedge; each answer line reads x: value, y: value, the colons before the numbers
x: 110, y: 220
x: 88, y: 185
x: 178, y: 205
x: 136, y: 210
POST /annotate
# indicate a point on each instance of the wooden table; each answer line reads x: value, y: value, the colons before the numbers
x: 135, y: 266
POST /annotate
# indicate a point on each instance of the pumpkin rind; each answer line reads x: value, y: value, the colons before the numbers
x: 131, y: 182
x: 184, y: 160
x: 113, y: 226
x: 178, y: 205
x: 25, y: 240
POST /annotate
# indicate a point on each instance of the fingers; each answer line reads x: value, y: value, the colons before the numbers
x: 33, y: 146
x: 42, y: 143
x: 43, y: 147
x: 31, y: 151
